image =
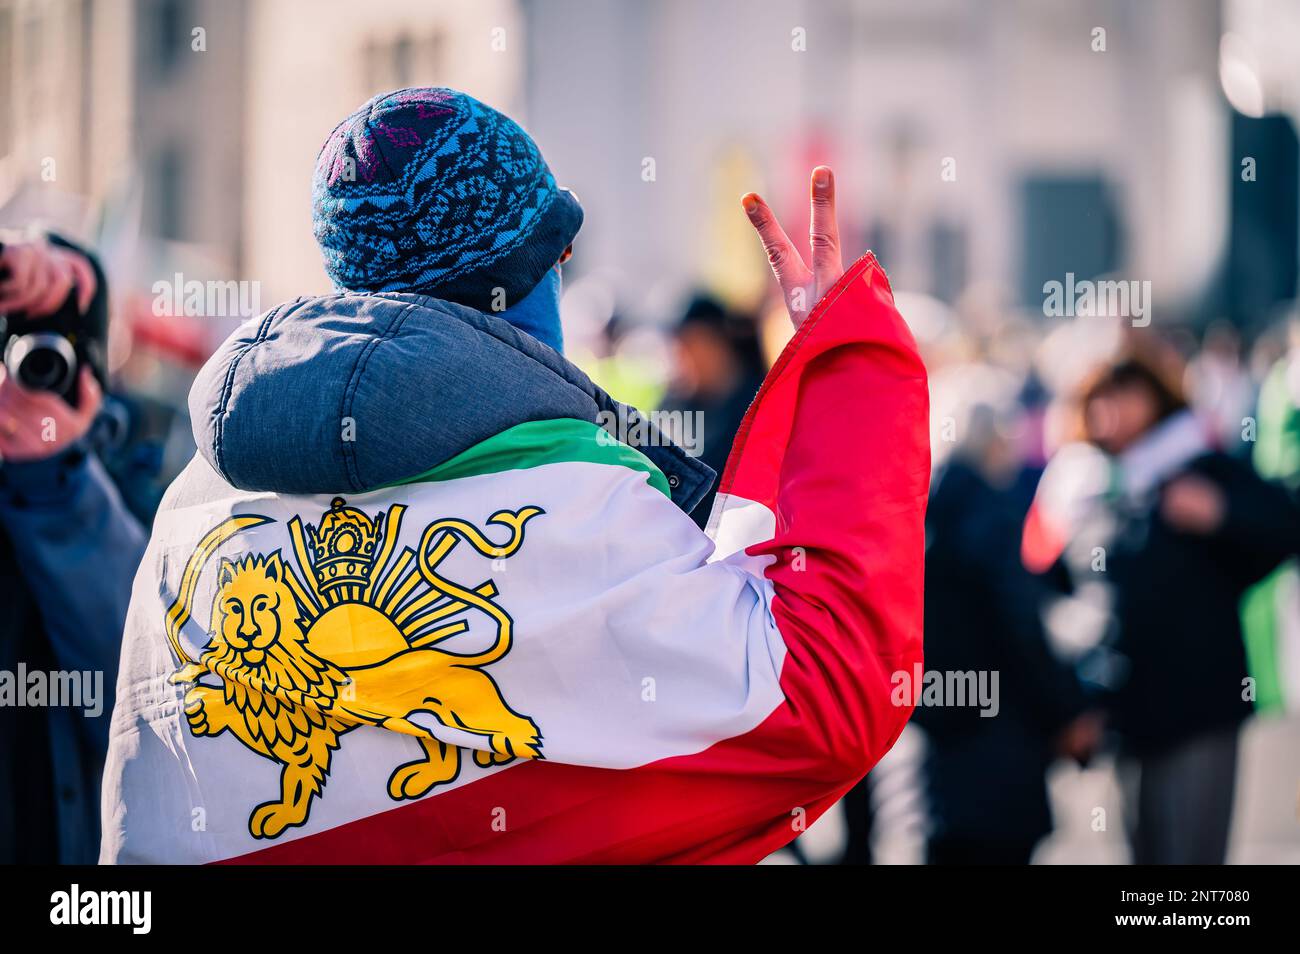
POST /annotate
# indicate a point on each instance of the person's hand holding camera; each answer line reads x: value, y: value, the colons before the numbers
x: 36, y: 279
x: 39, y: 424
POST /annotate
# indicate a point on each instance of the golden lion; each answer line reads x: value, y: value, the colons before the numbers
x: 283, y: 697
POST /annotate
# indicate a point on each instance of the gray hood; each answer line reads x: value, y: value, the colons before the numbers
x: 350, y: 392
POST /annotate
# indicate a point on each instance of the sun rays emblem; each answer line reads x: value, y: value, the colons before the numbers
x: 349, y: 632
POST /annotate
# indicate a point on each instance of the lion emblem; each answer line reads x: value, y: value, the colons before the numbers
x: 301, y: 661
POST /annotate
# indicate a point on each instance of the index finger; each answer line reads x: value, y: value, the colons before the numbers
x: 789, y: 268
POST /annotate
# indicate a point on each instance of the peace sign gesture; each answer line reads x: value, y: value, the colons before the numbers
x: 802, y: 286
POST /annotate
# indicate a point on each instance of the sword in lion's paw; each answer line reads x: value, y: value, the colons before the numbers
x: 178, y: 614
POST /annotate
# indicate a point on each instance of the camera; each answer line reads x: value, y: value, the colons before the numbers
x: 47, y: 353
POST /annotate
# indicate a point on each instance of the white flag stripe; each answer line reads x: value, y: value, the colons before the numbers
x: 627, y: 647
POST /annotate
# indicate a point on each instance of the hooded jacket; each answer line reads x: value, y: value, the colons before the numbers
x: 426, y: 594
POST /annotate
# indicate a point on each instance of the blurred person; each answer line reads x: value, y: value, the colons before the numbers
x: 985, y: 775
x: 1178, y: 530
x: 410, y: 602
x: 1270, y: 611
x: 718, y: 372
x: 68, y: 551
x: 627, y: 362
x: 1220, y: 388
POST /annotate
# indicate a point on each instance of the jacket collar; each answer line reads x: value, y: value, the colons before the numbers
x: 351, y: 392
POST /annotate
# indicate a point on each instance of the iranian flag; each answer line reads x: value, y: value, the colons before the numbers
x: 529, y: 654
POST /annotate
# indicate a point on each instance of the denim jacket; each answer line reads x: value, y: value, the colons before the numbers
x: 76, y: 548
x: 73, y: 548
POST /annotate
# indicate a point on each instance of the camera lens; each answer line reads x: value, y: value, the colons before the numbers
x: 42, y: 362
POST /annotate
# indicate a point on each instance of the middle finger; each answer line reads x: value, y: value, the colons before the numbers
x: 824, y: 231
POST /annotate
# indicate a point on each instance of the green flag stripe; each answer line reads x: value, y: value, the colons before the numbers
x: 561, y: 440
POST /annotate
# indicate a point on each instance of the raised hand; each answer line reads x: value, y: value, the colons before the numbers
x: 801, y: 285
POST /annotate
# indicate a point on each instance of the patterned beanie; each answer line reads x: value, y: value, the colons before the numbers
x: 429, y: 191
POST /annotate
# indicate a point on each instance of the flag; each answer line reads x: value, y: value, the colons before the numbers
x: 529, y: 654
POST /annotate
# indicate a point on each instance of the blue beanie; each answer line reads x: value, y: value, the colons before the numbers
x: 429, y: 191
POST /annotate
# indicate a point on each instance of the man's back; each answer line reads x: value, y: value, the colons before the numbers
x: 406, y: 606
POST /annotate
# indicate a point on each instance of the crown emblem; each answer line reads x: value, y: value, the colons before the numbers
x: 343, y: 548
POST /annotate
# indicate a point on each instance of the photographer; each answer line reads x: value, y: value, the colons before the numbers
x: 68, y: 551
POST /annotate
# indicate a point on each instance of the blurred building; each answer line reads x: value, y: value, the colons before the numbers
x: 136, y: 107
x: 174, y: 130
x: 314, y: 61
x: 1011, y: 140
x: 998, y: 139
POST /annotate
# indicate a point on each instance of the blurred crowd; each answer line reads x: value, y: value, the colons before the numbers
x: 1106, y: 502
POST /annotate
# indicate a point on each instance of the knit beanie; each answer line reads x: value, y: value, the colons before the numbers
x: 427, y: 190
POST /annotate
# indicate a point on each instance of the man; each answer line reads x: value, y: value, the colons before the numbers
x: 68, y: 549
x: 1173, y: 516
x: 715, y: 379
x: 409, y: 603
x: 985, y: 769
